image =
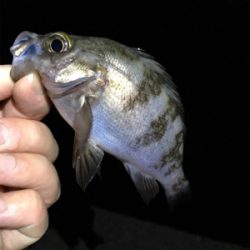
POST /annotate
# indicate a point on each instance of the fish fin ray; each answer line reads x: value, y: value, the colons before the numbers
x: 87, y: 161
x: 147, y: 186
x: 142, y: 53
x: 86, y: 155
x: 82, y: 121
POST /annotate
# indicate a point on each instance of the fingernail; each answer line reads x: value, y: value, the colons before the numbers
x: 3, y: 134
x: 7, y: 162
x: 37, y: 87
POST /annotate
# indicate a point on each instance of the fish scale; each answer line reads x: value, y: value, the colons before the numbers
x: 118, y: 100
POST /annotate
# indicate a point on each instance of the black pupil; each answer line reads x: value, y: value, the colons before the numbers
x: 56, y: 45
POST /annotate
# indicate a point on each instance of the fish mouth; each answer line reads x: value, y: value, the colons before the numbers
x: 21, y: 50
x: 20, y: 69
x: 22, y: 43
x: 59, y: 89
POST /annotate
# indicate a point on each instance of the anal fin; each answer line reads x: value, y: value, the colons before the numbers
x: 147, y: 186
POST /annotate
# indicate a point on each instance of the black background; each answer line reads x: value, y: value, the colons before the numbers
x: 204, y: 46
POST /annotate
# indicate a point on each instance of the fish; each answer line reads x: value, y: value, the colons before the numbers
x: 118, y: 100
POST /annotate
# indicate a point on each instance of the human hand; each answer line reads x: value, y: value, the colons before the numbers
x: 28, y: 180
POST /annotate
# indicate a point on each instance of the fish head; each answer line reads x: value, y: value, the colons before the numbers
x: 57, y: 57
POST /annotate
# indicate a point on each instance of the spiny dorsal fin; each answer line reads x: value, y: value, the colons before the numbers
x: 142, y: 53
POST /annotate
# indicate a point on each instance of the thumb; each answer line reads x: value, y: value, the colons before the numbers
x: 29, y: 99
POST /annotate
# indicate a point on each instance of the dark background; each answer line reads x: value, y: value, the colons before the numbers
x: 205, y: 47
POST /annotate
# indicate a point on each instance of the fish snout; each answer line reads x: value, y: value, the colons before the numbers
x: 23, y: 44
x: 24, y: 48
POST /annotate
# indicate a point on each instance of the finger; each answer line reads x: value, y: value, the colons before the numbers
x: 29, y: 99
x: 6, y: 84
x: 30, y: 171
x: 24, y: 217
x: 21, y: 135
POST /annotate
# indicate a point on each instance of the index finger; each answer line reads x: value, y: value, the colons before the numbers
x: 6, y: 83
x: 29, y: 99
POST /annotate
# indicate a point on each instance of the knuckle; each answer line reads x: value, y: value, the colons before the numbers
x: 53, y: 154
x: 34, y: 198
x: 53, y: 197
x: 32, y: 136
x: 49, y: 181
x: 37, y: 215
x: 49, y: 145
x: 54, y: 191
x: 36, y: 205
x: 37, y: 132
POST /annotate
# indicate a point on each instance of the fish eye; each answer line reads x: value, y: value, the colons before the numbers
x: 58, y: 43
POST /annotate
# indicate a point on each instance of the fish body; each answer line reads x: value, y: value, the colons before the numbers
x: 118, y: 100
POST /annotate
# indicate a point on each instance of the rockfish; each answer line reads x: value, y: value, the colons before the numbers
x: 118, y: 100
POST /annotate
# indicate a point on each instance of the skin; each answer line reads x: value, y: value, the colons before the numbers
x: 29, y: 183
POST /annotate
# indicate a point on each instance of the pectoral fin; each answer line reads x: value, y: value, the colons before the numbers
x: 86, y: 155
x: 147, y: 186
x: 86, y: 163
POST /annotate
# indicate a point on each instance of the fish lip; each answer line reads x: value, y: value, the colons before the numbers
x: 20, y: 68
x: 22, y: 43
x: 16, y: 73
x: 19, y: 49
x: 21, y: 64
x: 57, y: 90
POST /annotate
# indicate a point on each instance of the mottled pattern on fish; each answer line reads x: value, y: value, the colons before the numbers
x: 118, y: 100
